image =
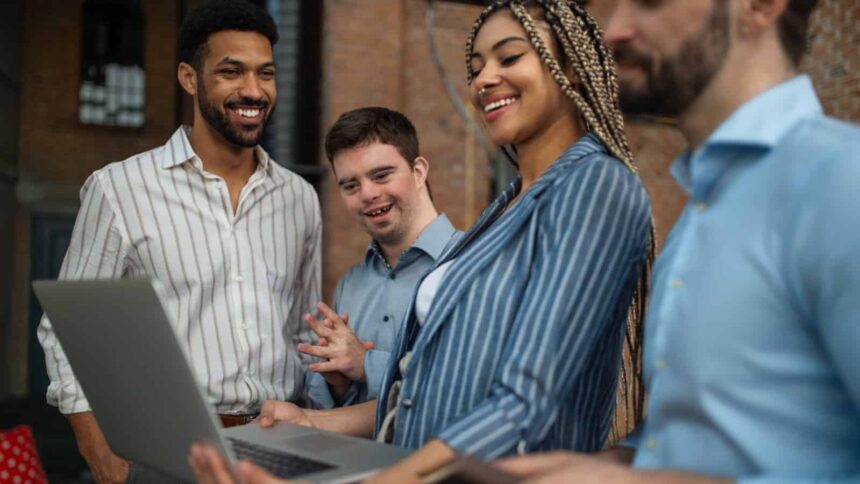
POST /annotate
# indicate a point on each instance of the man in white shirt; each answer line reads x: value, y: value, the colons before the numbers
x: 232, y: 237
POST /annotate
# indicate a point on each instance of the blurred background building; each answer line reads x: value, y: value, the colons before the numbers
x: 87, y: 82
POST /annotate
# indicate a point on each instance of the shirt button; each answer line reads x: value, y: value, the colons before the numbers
x: 651, y: 443
x: 677, y: 283
x: 701, y: 206
x: 661, y: 363
x: 391, y: 276
x: 385, y: 318
x: 407, y: 403
x: 237, y: 278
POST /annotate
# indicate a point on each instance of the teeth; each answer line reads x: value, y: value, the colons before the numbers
x: 379, y: 211
x: 498, y: 104
x: 248, y: 113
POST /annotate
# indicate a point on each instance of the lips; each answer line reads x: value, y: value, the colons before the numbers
x: 248, y: 112
x: 379, y: 211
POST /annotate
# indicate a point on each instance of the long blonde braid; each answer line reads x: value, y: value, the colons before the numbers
x: 595, y: 95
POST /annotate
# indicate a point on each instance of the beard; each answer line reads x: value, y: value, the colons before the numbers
x: 672, y: 84
x: 238, y: 135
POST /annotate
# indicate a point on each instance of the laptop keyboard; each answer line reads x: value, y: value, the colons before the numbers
x: 276, y: 462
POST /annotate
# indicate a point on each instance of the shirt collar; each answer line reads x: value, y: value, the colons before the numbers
x: 432, y: 240
x: 178, y: 150
x: 759, y: 123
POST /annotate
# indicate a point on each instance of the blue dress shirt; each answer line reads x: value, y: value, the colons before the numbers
x: 376, y: 296
x: 752, y: 343
x: 521, y: 347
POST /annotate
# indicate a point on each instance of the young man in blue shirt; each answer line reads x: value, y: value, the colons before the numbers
x: 382, y: 180
x: 751, y: 361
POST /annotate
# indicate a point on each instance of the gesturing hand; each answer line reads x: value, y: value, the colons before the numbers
x: 340, y: 350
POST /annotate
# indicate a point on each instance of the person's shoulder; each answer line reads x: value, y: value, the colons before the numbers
x: 296, y: 181
x: 822, y: 147
x: 120, y: 174
x: 600, y: 171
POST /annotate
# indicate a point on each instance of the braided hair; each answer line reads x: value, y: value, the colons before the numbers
x: 594, y: 93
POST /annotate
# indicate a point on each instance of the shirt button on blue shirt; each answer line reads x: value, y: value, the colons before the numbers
x: 385, y: 318
x: 391, y: 276
x: 407, y: 403
x: 677, y: 283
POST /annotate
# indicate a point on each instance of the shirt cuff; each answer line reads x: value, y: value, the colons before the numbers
x: 318, y: 392
x: 485, y: 432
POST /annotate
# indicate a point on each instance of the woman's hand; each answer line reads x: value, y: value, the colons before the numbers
x: 210, y: 467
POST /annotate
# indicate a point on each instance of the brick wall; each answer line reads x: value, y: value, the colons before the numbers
x: 376, y: 53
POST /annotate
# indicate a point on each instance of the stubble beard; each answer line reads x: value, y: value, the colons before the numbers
x: 673, y: 84
x: 220, y: 121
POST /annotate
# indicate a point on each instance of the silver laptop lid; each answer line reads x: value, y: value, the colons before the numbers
x: 117, y: 338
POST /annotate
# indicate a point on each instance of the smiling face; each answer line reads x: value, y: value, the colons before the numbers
x: 667, y: 51
x: 511, y: 87
x: 236, y: 86
x: 382, y: 191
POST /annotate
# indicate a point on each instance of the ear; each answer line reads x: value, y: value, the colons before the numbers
x: 420, y: 170
x: 757, y: 16
x: 187, y: 78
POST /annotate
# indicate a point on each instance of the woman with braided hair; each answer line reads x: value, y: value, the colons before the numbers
x: 515, y: 339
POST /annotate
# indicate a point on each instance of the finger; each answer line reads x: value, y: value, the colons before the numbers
x: 322, y: 341
x: 315, y: 350
x: 251, y: 474
x: 326, y: 366
x: 368, y: 345
x: 267, y: 414
x: 209, y: 466
x: 328, y: 323
x: 534, y: 464
x: 345, y: 318
x: 317, y: 326
x: 330, y: 314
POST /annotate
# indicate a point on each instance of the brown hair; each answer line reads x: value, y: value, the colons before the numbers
x: 793, y: 28
x: 363, y: 126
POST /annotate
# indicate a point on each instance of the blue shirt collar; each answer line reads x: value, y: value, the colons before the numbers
x: 760, y: 123
x: 432, y: 241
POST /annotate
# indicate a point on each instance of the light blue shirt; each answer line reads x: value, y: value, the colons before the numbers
x: 376, y: 296
x: 752, y: 344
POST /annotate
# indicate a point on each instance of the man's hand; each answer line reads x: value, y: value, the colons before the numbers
x: 342, y: 351
x: 210, y: 467
x: 564, y: 467
x: 604, y: 469
x: 276, y: 411
x: 105, y: 466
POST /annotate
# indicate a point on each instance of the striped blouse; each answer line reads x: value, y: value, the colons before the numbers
x: 234, y: 285
x: 521, y: 347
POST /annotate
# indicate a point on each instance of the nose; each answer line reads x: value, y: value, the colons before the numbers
x: 486, y: 79
x: 252, y: 87
x: 619, y: 27
x: 369, y: 192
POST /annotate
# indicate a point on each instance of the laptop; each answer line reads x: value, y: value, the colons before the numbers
x: 125, y: 354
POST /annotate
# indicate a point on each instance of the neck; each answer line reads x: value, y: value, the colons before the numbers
x: 539, y: 152
x: 419, y: 221
x: 747, y: 72
x: 220, y: 157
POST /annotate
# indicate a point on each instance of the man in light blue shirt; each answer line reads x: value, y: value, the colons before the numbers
x: 383, y: 183
x: 752, y: 344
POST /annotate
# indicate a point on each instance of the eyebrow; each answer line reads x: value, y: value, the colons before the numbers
x: 502, y: 42
x: 235, y: 62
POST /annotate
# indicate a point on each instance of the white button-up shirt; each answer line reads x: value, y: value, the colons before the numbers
x: 234, y: 285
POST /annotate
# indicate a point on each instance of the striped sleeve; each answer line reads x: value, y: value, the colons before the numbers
x: 593, y: 233
x: 97, y: 250
x: 309, y: 278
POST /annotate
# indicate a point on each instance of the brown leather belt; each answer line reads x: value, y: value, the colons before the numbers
x: 235, y: 420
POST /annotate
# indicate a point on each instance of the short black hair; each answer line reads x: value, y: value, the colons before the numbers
x: 793, y: 28
x: 363, y: 126
x: 216, y: 16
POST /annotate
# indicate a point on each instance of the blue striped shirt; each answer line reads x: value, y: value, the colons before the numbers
x: 521, y: 347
